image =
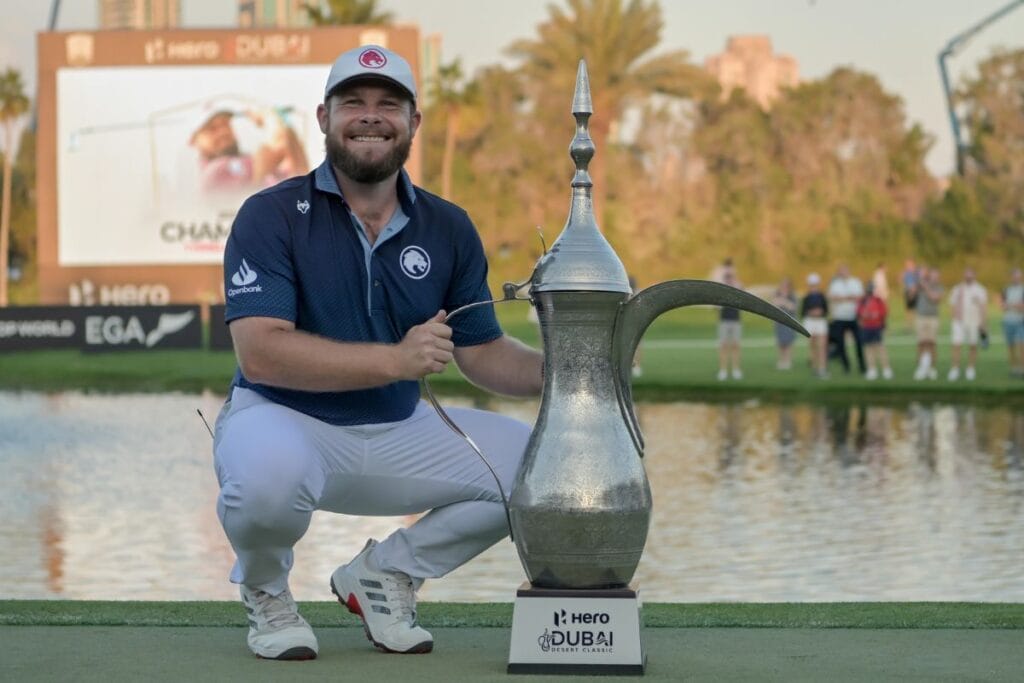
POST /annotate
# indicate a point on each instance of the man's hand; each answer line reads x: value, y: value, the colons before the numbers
x: 426, y: 349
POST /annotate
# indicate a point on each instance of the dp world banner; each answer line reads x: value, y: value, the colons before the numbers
x: 100, y: 328
x: 25, y: 328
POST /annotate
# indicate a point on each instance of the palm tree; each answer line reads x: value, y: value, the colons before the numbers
x: 449, y: 93
x: 13, y: 105
x: 615, y: 37
x: 345, y: 12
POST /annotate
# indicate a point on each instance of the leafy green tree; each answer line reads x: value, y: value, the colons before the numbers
x: 23, y: 221
x: 616, y: 38
x: 856, y: 178
x: 994, y: 107
x: 13, y: 106
x: 346, y: 12
x: 449, y: 95
x: 954, y: 225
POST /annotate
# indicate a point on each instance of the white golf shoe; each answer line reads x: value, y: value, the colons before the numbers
x: 276, y: 630
x: 386, y: 601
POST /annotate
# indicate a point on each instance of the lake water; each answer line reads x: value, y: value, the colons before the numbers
x: 112, y: 497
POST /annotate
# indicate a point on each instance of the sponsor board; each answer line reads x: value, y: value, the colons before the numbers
x: 141, y: 328
x: 576, y: 632
x: 100, y: 328
x: 220, y: 337
x: 25, y: 328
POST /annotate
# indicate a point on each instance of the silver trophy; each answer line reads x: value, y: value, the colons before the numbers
x: 581, y: 506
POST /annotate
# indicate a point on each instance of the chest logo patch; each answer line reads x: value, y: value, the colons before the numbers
x: 302, y: 205
x: 415, y: 262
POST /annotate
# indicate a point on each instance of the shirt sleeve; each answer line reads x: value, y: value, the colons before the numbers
x: 259, y: 278
x: 469, y: 285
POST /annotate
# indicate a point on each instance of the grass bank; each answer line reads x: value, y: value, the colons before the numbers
x: 888, y: 615
x: 679, y: 360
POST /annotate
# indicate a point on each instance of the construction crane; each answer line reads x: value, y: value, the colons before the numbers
x: 952, y: 47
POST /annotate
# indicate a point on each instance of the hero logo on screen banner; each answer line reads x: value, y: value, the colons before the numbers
x: 243, y: 279
x: 578, y: 632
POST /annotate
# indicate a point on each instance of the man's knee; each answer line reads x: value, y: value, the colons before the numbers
x: 265, y: 485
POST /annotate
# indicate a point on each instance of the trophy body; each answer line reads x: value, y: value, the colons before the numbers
x: 582, y: 505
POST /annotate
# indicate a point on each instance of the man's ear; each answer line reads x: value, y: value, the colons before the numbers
x: 322, y: 117
x: 414, y: 121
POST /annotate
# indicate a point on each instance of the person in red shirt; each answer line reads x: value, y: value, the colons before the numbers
x: 871, y: 316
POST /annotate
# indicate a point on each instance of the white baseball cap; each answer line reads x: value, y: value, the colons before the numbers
x: 371, y: 61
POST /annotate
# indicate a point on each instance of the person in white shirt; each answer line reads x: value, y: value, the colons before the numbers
x: 969, y: 301
x: 843, y: 294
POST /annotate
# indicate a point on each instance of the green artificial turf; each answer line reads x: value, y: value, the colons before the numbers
x: 892, y: 615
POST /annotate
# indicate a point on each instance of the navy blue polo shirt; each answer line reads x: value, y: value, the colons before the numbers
x: 297, y: 253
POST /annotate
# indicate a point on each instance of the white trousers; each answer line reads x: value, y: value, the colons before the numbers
x: 276, y: 466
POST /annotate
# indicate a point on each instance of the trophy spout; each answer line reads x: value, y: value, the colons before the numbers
x: 637, y: 313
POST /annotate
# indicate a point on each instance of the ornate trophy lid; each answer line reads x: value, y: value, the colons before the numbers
x: 581, y: 259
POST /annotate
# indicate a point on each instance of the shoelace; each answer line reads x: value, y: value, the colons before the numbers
x: 278, y: 610
x: 399, y: 588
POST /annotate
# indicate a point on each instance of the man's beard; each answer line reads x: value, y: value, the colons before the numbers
x: 363, y: 171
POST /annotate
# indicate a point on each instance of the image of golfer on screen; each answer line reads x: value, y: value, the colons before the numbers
x: 223, y: 166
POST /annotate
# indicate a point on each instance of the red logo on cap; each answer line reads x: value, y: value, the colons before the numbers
x: 372, y: 59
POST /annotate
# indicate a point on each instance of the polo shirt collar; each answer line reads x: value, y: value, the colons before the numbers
x: 326, y: 182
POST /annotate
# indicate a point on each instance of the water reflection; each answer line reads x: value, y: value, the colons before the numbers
x: 112, y: 497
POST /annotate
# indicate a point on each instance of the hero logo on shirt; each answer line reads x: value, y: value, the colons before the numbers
x: 242, y: 278
x: 415, y: 262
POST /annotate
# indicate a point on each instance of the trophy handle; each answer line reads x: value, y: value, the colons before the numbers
x: 637, y: 313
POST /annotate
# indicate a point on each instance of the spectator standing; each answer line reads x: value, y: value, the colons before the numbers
x: 926, y: 324
x: 880, y: 282
x: 844, y: 292
x: 911, y: 281
x: 785, y: 298
x: 729, y: 333
x: 871, y: 317
x: 969, y: 301
x: 814, y: 311
x: 1013, y: 321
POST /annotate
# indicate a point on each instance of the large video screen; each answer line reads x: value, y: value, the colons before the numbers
x: 153, y: 162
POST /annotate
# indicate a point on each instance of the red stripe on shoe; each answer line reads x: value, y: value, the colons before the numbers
x: 353, y: 605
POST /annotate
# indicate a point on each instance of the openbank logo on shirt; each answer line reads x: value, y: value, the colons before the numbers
x: 242, y: 278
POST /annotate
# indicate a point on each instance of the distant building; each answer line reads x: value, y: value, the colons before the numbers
x: 272, y: 13
x: 748, y: 63
x: 140, y: 14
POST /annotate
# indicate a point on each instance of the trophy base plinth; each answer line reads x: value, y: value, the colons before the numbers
x: 577, y: 631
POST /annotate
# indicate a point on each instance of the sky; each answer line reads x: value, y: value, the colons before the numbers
x: 896, y: 40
